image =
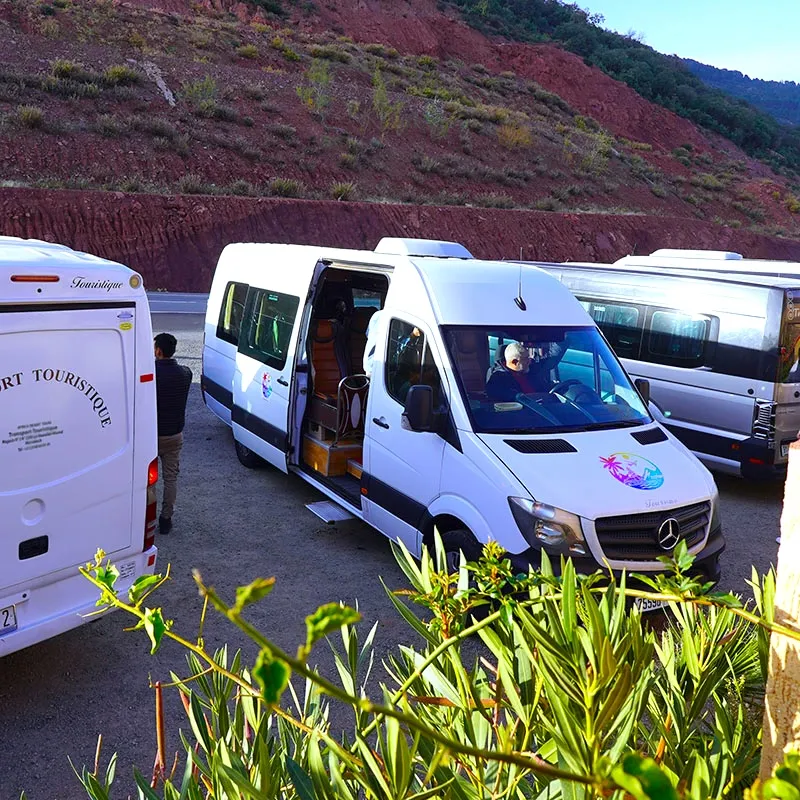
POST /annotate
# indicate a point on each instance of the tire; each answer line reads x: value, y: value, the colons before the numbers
x: 247, y: 458
x: 459, y: 540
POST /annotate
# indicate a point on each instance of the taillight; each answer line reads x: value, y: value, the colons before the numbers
x: 35, y: 278
x: 152, y: 473
x: 151, y: 509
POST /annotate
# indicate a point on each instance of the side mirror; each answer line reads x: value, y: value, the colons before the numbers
x: 419, y: 408
x: 643, y: 387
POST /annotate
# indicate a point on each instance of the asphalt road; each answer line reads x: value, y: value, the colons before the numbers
x: 233, y: 525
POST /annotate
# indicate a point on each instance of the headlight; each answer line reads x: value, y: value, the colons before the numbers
x: 544, y: 525
x: 716, y: 517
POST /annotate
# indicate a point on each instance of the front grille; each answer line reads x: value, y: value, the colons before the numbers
x: 635, y: 537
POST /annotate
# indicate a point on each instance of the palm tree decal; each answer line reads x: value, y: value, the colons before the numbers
x: 623, y: 467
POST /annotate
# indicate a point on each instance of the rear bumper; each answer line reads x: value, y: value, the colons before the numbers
x: 54, y: 608
x: 706, y: 563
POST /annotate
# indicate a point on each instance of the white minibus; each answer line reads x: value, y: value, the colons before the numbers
x: 443, y: 433
x: 718, y: 339
x: 77, y: 434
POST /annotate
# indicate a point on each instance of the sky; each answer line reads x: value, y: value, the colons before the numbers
x: 760, y: 38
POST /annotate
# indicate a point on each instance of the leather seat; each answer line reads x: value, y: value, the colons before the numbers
x: 326, y: 369
x: 358, y: 337
x: 472, y: 358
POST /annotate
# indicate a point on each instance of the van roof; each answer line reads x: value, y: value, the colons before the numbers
x: 17, y: 252
x: 710, y: 260
x: 647, y: 268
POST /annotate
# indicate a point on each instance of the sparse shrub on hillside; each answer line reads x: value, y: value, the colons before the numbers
x: 659, y: 190
x: 66, y: 87
x: 427, y: 164
x: 548, y: 204
x: 121, y: 75
x: 200, y: 91
x: 247, y: 51
x: 242, y: 187
x: 330, y: 52
x: 437, y: 119
x: 314, y: 94
x: 495, y: 200
x: 284, y: 49
x: 270, y: 6
x: 793, y: 204
x: 286, y: 132
x: 389, y: 113
x: 63, y: 68
x: 192, y: 184
x: 495, y: 114
x: 428, y: 62
x: 598, y: 153
x: 513, y: 136
x: 108, y: 125
x: 344, y: 190
x: 49, y: 28
x: 286, y: 187
x: 30, y: 116
x: 708, y: 181
x: 255, y: 91
x: 479, y: 68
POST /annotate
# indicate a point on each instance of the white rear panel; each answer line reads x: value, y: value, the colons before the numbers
x: 66, y: 445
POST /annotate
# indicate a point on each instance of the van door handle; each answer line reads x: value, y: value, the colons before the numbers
x: 381, y: 422
x: 282, y: 381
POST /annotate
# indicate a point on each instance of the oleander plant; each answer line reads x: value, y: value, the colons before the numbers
x: 547, y: 685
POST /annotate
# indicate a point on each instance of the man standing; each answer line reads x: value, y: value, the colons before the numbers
x: 172, y: 389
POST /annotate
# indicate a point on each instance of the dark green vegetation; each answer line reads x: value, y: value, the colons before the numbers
x: 659, y: 78
x: 779, y: 98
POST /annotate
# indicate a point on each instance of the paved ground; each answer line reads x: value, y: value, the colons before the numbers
x: 233, y: 525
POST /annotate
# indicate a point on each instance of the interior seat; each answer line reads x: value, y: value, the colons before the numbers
x: 358, y: 337
x: 472, y: 356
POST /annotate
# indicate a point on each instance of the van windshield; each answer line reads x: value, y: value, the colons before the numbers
x: 541, y: 379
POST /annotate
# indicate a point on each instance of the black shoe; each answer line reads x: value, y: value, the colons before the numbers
x: 164, y: 525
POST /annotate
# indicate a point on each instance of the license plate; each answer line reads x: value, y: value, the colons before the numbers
x: 8, y: 620
x: 644, y: 605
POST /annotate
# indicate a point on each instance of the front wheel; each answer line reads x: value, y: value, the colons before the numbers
x: 456, y: 541
x: 247, y: 458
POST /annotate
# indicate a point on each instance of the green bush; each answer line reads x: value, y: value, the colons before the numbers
x: 285, y: 187
x: 121, y: 75
x: 30, y: 116
x: 573, y: 697
x: 247, y: 51
x: 344, y: 190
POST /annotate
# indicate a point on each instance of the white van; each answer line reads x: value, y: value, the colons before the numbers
x: 721, y: 351
x: 77, y: 434
x: 576, y: 466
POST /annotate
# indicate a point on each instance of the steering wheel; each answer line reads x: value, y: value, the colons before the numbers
x: 562, y: 386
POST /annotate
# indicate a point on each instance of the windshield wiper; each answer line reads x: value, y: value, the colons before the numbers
x: 618, y: 423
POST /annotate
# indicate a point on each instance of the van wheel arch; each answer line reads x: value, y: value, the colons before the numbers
x: 456, y: 536
x: 247, y: 458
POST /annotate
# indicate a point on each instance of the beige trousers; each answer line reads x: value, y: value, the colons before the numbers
x: 169, y: 451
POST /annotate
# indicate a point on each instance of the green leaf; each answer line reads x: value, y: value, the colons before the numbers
x: 272, y: 676
x: 108, y: 576
x: 643, y: 778
x: 252, y: 593
x: 141, y: 587
x: 144, y: 786
x: 301, y: 781
x: 155, y: 625
x: 328, y: 618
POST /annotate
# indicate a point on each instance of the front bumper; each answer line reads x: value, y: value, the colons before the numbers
x: 706, y: 565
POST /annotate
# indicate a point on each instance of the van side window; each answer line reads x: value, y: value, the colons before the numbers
x: 232, y: 312
x: 677, y: 339
x: 267, y: 329
x: 620, y: 325
x: 409, y: 362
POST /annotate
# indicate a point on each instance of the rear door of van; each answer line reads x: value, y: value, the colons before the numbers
x: 67, y: 380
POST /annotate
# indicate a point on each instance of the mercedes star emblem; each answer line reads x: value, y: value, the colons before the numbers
x: 669, y: 533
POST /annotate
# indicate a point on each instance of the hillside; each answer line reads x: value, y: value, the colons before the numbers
x: 781, y: 99
x: 348, y: 100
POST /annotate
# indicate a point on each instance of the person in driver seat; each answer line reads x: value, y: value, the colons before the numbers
x: 517, y: 373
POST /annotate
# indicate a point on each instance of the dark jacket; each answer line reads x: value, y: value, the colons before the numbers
x: 505, y: 384
x: 172, y: 389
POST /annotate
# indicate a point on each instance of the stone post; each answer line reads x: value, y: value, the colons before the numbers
x: 782, y: 711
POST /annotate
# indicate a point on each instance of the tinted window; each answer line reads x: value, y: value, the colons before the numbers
x: 677, y: 339
x: 269, y: 319
x: 409, y: 362
x: 621, y: 324
x: 232, y: 312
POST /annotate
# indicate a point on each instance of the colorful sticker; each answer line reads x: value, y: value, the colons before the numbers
x: 266, y: 385
x: 634, y: 471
